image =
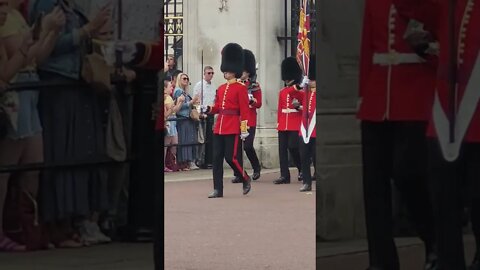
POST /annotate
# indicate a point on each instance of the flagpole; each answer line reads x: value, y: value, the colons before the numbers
x: 201, y: 80
x: 304, y: 58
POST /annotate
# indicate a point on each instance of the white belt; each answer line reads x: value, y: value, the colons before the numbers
x: 394, y: 58
x: 289, y: 110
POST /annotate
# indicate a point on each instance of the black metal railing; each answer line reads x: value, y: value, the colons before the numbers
x: 65, y: 164
x: 71, y: 164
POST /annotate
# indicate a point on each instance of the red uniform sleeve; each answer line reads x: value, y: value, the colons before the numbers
x: 258, y: 96
x: 242, y: 94
x: 279, y: 106
x: 366, y: 50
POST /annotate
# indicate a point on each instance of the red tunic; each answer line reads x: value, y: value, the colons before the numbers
x: 231, y: 105
x: 153, y: 58
x: 434, y: 13
x: 257, y: 94
x: 391, y: 91
x: 311, y: 108
x: 288, y: 117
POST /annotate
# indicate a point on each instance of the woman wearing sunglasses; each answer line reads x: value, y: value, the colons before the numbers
x: 186, y: 127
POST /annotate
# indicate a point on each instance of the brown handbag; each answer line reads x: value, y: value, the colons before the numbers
x: 194, y: 115
x: 95, y: 70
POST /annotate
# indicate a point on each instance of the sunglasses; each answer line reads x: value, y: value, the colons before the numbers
x: 210, y: 73
x: 185, y: 79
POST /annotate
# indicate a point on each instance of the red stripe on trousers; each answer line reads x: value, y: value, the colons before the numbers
x: 234, y: 159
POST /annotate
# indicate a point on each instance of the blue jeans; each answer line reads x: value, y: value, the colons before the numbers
x: 28, y: 122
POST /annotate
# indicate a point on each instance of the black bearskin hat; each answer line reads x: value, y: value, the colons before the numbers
x: 232, y: 59
x: 291, y: 70
x: 250, y: 64
x: 312, y: 68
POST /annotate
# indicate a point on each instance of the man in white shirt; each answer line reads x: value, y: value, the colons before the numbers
x: 207, y: 97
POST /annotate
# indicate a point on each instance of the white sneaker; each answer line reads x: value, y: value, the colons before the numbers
x: 86, y: 233
x: 193, y: 166
x: 97, y: 233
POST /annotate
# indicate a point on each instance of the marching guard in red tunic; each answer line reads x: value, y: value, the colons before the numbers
x: 288, y: 119
x: 309, y: 105
x: 396, y: 94
x: 231, y: 105
x: 249, y: 78
x: 454, y: 161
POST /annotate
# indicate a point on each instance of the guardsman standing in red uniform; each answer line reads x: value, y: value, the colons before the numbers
x: 255, y: 102
x: 396, y: 95
x: 309, y: 105
x: 453, y: 161
x: 231, y: 105
x: 148, y: 55
x: 288, y: 119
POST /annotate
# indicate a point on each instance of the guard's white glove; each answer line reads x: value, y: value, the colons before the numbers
x: 244, y: 129
x: 433, y: 48
x: 296, y: 104
x: 204, y: 108
x: 305, y: 81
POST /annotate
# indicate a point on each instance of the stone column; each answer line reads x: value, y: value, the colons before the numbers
x: 340, y: 213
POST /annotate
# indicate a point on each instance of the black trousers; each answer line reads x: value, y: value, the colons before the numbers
x: 307, y: 156
x: 226, y: 147
x: 398, y: 151
x: 448, y: 183
x: 250, y: 151
x: 288, y: 142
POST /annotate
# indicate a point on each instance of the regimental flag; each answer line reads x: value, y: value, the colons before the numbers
x: 303, y: 58
x: 303, y: 47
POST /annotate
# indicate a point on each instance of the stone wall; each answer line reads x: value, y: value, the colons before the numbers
x: 340, y: 213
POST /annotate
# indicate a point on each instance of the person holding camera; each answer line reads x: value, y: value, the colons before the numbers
x: 186, y: 126
x: 72, y: 124
x: 22, y: 142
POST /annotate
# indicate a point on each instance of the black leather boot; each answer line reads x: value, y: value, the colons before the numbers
x: 306, y: 188
x: 216, y: 194
x: 281, y: 180
x: 237, y: 180
x: 247, y: 186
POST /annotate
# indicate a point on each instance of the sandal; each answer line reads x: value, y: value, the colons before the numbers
x: 73, y: 241
x: 7, y: 245
x: 80, y: 239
